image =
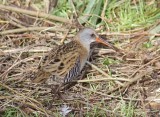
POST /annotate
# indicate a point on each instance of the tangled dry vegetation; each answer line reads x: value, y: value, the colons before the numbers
x: 122, y: 83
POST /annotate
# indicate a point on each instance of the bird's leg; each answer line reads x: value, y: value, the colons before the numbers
x: 56, y: 94
x: 55, y: 87
x: 56, y: 91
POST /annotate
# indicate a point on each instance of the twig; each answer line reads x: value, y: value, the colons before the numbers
x: 104, y: 9
x: 127, y: 84
x: 135, y: 78
x: 104, y: 79
x: 46, y: 49
x: 142, y: 103
x: 47, y: 6
x: 95, y: 67
x: 27, y: 49
x: 15, y: 64
x: 73, y: 7
x: 63, y: 39
x: 104, y: 109
x: 127, y: 34
x: 152, y: 61
x: 31, y: 29
x: 33, y: 13
x: 31, y: 99
x: 109, y: 96
x: 14, y: 21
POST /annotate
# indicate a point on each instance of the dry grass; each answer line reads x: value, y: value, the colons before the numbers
x: 116, y: 84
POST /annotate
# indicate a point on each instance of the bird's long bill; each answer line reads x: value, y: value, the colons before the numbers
x: 100, y: 40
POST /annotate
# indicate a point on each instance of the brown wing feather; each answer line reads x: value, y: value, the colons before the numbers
x: 58, y: 61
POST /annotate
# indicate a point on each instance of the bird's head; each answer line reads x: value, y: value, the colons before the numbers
x: 87, y: 36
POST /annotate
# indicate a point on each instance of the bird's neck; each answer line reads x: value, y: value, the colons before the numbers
x: 84, y: 44
x: 84, y: 51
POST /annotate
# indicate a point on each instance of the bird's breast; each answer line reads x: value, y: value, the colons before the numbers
x: 84, y: 55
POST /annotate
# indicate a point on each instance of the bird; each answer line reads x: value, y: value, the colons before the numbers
x: 66, y: 61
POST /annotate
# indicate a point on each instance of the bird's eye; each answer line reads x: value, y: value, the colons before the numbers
x: 93, y: 35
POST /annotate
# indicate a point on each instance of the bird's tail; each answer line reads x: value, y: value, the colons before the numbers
x: 40, y: 76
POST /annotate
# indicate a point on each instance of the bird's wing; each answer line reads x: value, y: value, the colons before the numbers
x: 63, y: 62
